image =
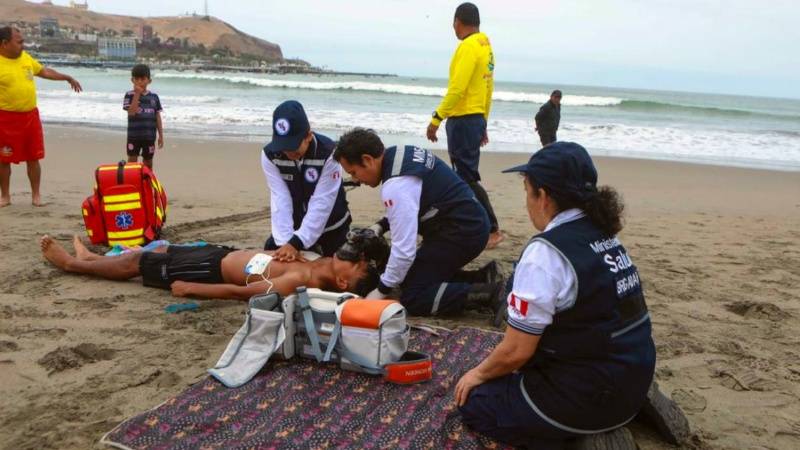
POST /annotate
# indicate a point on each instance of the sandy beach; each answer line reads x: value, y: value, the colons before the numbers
x: 717, y: 248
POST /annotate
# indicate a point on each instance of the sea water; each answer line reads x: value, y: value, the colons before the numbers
x: 680, y: 126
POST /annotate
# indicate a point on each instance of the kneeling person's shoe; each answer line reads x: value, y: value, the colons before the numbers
x: 481, y: 295
x: 488, y: 296
x: 500, y: 304
x: 490, y: 272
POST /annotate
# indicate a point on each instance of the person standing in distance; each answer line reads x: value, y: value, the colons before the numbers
x: 21, y: 137
x: 466, y: 106
x: 307, y: 200
x: 144, y: 117
x: 548, y: 118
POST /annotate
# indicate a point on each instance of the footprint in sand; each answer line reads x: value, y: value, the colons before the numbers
x: 64, y: 358
x: 8, y: 346
x: 756, y: 310
x: 730, y: 348
x: 743, y: 380
x: 671, y: 348
x: 689, y: 400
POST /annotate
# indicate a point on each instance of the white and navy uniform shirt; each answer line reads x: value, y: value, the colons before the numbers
x: 318, y: 204
x: 404, y: 192
x: 423, y: 196
x: 578, y: 289
x: 544, y: 283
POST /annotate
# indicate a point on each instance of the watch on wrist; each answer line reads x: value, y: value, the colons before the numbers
x: 436, y: 116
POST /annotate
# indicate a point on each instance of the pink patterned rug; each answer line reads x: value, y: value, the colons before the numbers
x: 302, y: 404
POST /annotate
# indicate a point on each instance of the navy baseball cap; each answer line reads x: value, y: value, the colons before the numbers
x: 289, y: 127
x: 564, y: 167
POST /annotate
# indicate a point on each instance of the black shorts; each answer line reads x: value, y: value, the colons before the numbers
x: 144, y: 147
x: 179, y: 263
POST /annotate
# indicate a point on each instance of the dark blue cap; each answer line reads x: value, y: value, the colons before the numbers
x: 289, y: 127
x: 564, y: 167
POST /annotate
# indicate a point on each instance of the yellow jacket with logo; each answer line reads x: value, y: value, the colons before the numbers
x: 469, y: 90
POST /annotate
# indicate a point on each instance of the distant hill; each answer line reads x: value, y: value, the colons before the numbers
x: 212, y: 33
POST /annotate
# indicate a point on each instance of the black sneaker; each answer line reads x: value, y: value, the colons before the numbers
x: 490, y: 271
x: 499, y: 301
x: 666, y: 416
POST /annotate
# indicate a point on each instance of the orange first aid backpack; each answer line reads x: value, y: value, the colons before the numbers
x: 128, y: 206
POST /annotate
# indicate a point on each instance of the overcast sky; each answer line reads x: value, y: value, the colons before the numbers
x: 749, y: 47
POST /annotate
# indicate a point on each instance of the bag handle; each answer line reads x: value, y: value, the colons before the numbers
x: 311, y: 330
x: 121, y: 172
x: 337, y: 330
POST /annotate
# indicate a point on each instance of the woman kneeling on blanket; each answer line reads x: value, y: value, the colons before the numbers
x: 577, y: 356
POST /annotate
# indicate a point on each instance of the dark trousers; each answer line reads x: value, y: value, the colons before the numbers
x: 326, y: 245
x: 427, y: 289
x: 547, y: 137
x: 499, y: 410
x: 464, y: 134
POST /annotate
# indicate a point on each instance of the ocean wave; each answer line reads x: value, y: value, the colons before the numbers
x: 656, y: 107
x: 117, y: 97
x: 388, y: 88
x: 516, y: 134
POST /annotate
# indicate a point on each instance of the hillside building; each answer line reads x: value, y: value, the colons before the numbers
x: 146, y: 33
x: 48, y: 28
x: 116, y: 48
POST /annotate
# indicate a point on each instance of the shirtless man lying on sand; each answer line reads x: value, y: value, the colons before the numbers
x: 214, y: 271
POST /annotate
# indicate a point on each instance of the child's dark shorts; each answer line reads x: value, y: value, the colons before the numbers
x: 144, y: 147
x: 179, y: 263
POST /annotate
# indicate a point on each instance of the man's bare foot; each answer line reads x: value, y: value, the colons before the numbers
x: 494, y: 239
x: 81, y: 252
x: 37, y: 201
x: 5, y: 202
x: 54, y: 252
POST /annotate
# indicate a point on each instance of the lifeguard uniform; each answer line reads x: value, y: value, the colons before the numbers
x: 307, y: 199
x: 21, y: 137
x: 423, y: 196
x: 466, y: 106
x: 579, y: 290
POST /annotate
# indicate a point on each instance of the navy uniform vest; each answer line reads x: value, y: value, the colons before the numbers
x: 595, y: 362
x: 447, y: 206
x: 302, y: 177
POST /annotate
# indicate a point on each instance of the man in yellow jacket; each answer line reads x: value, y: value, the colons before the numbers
x: 466, y: 106
x: 21, y: 136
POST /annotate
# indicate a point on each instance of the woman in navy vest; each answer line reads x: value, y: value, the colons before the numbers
x: 577, y: 356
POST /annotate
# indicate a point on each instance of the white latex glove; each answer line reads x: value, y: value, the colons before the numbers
x: 378, y: 229
x: 376, y: 295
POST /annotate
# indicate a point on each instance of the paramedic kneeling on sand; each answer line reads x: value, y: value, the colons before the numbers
x: 307, y: 201
x: 422, y: 195
x: 577, y: 357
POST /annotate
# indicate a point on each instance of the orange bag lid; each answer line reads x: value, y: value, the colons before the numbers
x: 364, y: 313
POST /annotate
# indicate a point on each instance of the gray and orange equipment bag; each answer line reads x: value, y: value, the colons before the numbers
x: 367, y: 336
x: 128, y: 206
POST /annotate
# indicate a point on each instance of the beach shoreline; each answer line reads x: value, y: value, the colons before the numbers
x: 441, y: 148
x: 717, y: 248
